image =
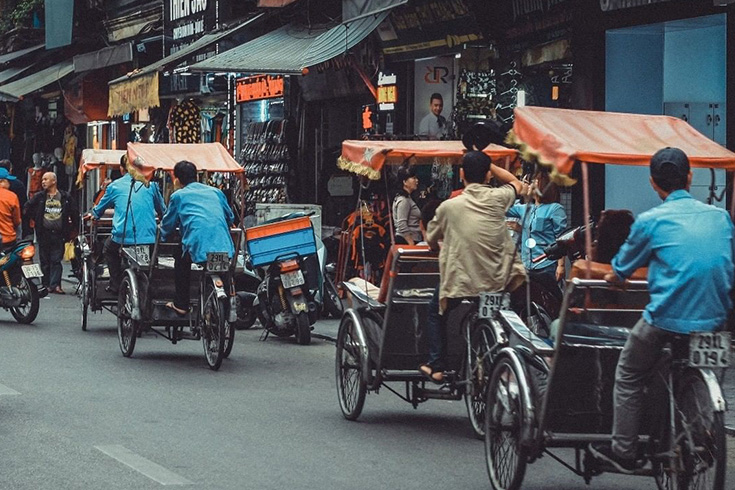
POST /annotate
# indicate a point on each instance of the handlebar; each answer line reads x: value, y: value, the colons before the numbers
x: 538, y: 259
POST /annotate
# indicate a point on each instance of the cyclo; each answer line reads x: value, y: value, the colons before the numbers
x: 552, y: 393
x: 381, y: 339
x: 91, y: 272
x: 148, y: 282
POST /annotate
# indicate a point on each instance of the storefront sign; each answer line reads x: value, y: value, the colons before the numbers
x: 387, y: 92
x: 259, y: 87
x: 134, y: 94
x: 607, y: 5
x: 429, y: 26
x: 526, y: 7
x: 432, y: 76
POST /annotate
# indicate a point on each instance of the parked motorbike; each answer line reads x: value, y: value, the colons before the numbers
x: 284, y: 302
x: 246, y: 288
x: 19, y: 291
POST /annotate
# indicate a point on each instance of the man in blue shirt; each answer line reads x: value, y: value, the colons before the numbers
x: 203, y: 216
x: 688, y: 248
x: 135, y: 225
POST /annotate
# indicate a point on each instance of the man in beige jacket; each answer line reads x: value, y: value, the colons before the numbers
x: 477, y: 254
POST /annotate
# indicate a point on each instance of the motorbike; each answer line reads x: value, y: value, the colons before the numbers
x: 19, y: 291
x: 285, y: 305
x: 246, y: 288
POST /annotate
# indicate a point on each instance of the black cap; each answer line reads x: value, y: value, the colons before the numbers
x: 668, y: 161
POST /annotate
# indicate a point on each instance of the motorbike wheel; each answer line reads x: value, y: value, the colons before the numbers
x: 127, y: 328
x: 84, y: 294
x: 246, y: 322
x: 303, y: 329
x: 29, y: 311
x: 229, y: 338
x: 332, y: 302
x: 213, y: 328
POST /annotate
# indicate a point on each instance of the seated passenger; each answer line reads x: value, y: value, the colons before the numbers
x: 203, y: 216
x: 477, y: 254
x: 134, y: 221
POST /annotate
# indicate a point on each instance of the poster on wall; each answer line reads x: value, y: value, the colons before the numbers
x: 431, y: 115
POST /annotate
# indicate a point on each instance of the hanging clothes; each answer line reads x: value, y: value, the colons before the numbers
x: 185, y: 120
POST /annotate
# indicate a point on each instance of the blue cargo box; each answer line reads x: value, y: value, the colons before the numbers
x: 267, y: 249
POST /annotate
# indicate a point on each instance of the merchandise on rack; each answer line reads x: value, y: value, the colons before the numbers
x: 266, y: 159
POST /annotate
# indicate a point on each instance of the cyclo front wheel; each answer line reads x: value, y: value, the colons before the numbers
x: 229, y: 338
x: 84, y: 293
x: 127, y: 328
x: 213, y: 327
x: 505, y: 454
x: 480, y: 339
x: 351, y: 384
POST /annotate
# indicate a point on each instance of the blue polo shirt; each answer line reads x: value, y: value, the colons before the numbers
x: 204, y: 217
x: 688, y: 247
x: 140, y: 226
x: 544, y: 223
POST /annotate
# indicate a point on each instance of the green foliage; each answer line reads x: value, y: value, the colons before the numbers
x: 22, y: 15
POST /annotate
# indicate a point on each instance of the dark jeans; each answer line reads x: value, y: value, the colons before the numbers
x: 547, y: 279
x: 114, y: 262
x: 436, y: 330
x: 182, y: 276
x: 50, y: 254
x: 640, y: 356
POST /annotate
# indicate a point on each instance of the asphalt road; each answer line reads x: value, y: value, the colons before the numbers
x: 75, y: 414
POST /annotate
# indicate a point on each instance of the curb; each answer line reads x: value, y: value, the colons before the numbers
x: 730, y: 431
x: 329, y: 338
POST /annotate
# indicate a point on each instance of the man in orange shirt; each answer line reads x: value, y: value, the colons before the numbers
x: 9, y: 210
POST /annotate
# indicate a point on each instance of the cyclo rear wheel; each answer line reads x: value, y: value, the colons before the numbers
x: 480, y: 339
x: 127, y: 328
x: 505, y: 454
x: 351, y: 384
x: 212, y: 325
x: 84, y: 296
x: 700, y: 438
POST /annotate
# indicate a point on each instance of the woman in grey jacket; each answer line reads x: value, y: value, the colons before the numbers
x: 406, y: 214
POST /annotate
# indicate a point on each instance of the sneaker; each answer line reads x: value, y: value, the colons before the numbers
x: 603, y: 452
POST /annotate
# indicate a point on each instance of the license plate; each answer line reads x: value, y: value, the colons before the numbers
x: 32, y: 270
x: 292, y: 279
x: 218, y: 262
x: 709, y: 349
x: 140, y: 253
x: 490, y: 303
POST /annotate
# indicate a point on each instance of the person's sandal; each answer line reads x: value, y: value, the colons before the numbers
x: 181, y: 313
x: 436, y: 377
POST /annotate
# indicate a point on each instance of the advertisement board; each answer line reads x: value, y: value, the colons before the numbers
x: 435, y: 75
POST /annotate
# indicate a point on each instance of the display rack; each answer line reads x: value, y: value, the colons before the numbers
x: 266, y: 158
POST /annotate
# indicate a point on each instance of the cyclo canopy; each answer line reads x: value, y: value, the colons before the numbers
x: 145, y: 158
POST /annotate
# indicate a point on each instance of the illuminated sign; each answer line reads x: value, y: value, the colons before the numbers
x: 367, y: 118
x: 259, y: 87
x: 387, y: 92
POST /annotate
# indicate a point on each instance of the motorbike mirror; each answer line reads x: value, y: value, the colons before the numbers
x: 530, y: 243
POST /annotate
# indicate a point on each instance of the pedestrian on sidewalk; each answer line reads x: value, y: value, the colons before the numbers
x: 54, y: 217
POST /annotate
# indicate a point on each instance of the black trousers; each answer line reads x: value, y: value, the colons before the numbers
x: 50, y: 254
x: 182, y: 276
x: 114, y: 262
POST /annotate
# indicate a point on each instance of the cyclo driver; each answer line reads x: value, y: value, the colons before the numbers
x: 477, y: 254
x: 688, y: 247
x: 202, y: 214
x: 134, y: 221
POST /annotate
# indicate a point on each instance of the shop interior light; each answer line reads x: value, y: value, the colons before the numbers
x: 458, y: 55
x: 521, y: 98
x: 554, y: 92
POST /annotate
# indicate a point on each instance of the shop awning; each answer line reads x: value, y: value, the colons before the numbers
x: 139, y: 89
x: 112, y: 55
x: 17, y: 54
x: 559, y: 137
x: 9, y: 73
x: 15, y: 90
x: 291, y: 48
x: 368, y: 157
x: 146, y: 158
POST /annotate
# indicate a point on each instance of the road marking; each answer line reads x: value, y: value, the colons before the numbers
x: 4, y: 390
x: 144, y: 466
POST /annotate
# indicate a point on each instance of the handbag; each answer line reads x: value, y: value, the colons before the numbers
x: 69, y: 253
